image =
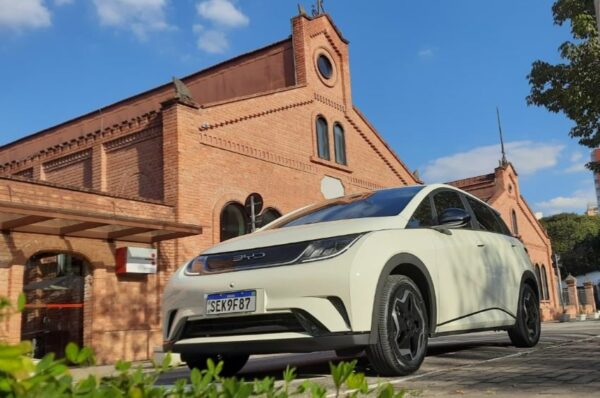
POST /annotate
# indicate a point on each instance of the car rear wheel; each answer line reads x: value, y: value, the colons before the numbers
x: 402, y: 329
x: 527, y: 329
x: 231, y: 363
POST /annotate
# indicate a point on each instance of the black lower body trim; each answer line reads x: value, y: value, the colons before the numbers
x: 466, y: 331
x: 475, y: 313
x: 274, y: 346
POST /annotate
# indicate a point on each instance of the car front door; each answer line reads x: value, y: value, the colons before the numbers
x: 460, y: 266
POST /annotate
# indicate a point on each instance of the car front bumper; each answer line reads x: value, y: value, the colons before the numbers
x: 310, y: 303
x: 268, y: 344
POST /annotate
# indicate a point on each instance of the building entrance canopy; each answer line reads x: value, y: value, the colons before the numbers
x: 28, y: 218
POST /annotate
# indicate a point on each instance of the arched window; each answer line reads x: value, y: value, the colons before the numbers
x: 515, y: 226
x: 544, y: 282
x: 322, y: 138
x: 234, y: 221
x: 538, y: 274
x: 339, y: 142
x: 56, y: 286
x: 269, y: 215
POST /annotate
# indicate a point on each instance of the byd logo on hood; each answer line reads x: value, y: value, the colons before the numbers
x: 249, y: 256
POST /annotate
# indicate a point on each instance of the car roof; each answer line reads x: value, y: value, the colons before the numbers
x: 428, y: 188
x: 432, y: 187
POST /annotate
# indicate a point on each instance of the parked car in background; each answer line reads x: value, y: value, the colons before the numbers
x: 381, y: 271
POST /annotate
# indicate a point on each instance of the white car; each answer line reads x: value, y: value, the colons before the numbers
x: 380, y: 271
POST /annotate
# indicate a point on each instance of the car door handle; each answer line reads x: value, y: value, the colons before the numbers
x: 481, y: 245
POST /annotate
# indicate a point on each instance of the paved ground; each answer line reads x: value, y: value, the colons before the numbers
x: 565, y: 363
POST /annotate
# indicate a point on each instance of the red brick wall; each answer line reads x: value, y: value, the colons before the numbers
x: 134, y: 167
x: 27, y: 173
x: 73, y: 170
x: 121, y: 314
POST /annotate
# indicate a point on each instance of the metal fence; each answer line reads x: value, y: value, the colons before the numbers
x: 581, y: 297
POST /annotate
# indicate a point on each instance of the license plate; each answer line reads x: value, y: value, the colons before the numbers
x: 227, y: 303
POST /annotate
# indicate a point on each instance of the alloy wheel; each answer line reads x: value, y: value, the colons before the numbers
x: 408, y: 325
x: 531, y: 314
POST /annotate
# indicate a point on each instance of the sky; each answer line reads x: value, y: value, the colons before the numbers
x: 428, y: 74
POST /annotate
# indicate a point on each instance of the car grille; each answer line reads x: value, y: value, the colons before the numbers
x: 298, y: 321
x: 260, y: 257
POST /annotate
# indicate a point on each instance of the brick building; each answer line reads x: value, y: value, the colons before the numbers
x: 170, y: 169
x: 500, y: 190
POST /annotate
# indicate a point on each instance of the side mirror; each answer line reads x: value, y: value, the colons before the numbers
x: 454, y: 218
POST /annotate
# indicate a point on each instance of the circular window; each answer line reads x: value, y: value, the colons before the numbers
x: 325, y: 66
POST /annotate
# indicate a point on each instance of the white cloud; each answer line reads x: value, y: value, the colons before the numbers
x: 221, y: 15
x: 24, y: 14
x: 197, y: 28
x: 576, y: 156
x: 528, y: 157
x: 222, y: 12
x: 577, y: 165
x: 577, y: 202
x: 141, y: 16
x: 213, y: 41
x: 577, y: 168
x: 425, y: 53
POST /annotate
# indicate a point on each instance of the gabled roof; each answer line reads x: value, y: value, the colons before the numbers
x: 483, y: 186
x: 160, y: 93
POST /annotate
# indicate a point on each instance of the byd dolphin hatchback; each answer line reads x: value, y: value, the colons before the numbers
x: 380, y: 271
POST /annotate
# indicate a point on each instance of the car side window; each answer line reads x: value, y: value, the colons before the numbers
x: 447, y: 200
x: 422, y: 217
x: 503, y: 227
x: 486, y: 219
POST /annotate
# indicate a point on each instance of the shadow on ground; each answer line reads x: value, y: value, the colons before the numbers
x: 317, y: 364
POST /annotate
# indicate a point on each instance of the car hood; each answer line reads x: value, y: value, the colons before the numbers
x: 301, y: 233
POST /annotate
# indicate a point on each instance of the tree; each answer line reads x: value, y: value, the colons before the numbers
x: 576, y: 238
x: 573, y: 87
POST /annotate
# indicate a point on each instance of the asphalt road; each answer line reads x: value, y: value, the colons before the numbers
x: 469, y: 364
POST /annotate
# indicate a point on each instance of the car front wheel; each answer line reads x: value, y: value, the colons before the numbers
x: 527, y: 329
x: 402, y: 329
x: 231, y: 363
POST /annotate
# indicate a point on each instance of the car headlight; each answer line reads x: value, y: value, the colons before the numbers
x: 196, y: 266
x: 326, y: 248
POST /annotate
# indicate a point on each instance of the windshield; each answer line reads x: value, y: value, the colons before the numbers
x: 384, y: 203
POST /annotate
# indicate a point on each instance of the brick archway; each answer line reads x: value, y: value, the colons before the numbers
x: 61, y: 302
x: 21, y: 247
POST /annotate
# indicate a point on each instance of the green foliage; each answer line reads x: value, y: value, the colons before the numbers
x: 21, y: 377
x: 52, y: 378
x: 576, y: 239
x: 572, y: 87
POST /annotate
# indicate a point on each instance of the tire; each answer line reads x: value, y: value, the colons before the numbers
x: 402, y: 329
x: 527, y: 329
x: 232, y: 364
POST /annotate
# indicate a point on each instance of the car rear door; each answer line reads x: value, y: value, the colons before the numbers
x: 502, y: 261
